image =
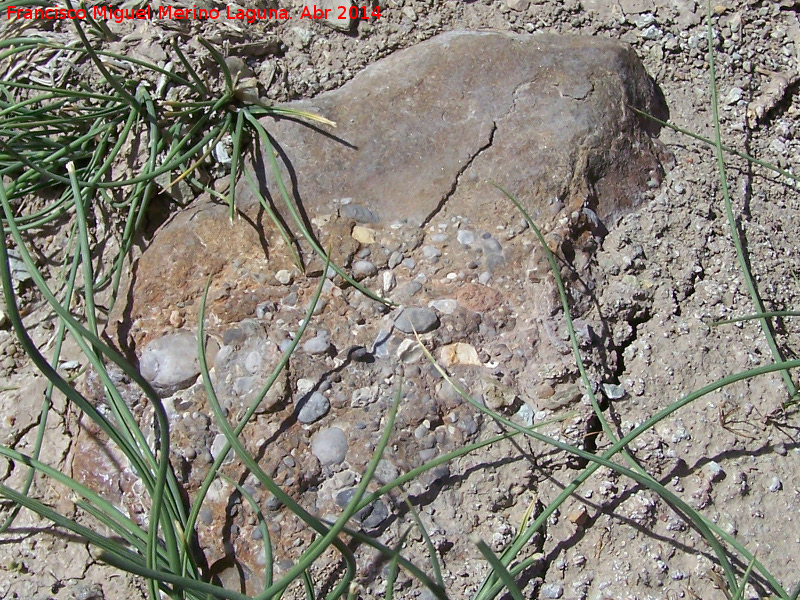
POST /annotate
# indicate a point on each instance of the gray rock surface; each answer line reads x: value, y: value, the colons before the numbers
x: 546, y: 116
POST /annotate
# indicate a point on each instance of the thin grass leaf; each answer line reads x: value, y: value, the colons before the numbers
x: 744, y: 263
x: 498, y: 568
x: 434, y: 559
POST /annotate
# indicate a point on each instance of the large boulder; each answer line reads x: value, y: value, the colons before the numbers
x: 549, y: 118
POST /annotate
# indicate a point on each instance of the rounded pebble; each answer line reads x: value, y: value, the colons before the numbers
x: 169, y: 363
x: 431, y: 252
x: 317, y: 345
x: 775, y: 485
x: 284, y: 277
x: 329, y: 446
x: 364, y: 268
x: 465, y: 237
x: 313, y: 408
x: 417, y: 318
x: 552, y: 590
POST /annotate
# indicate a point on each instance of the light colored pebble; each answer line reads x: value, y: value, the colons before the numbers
x: 364, y: 268
x: 552, y: 590
x: 430, y: 252
x: 317, y: 345
x: 446, y: 306
x: 329, y: 446
x: 465, y: 237
x: 284, y: 277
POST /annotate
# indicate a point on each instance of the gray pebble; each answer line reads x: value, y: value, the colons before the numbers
x: 319, y: 344
x: 386, y: 472
x: 409, y: 263
x: 329, y: 446
x: 364, y: 268
x: 446, y: 306
x: 169, y: 363
x: 775, y: 485
x: 491, y: 246
x: 713, y: 471
x: 395, y: 258
x: 613, y: 391
x: 552, y: 590
x: 378, y: 513
x: 430, y: 252
x: 284, y: 277
x: 313, y: 408
x: 358, y: 213
x: 417, y: 318
x: 465, y: 237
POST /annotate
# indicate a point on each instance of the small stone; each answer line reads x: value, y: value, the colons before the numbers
x: 491, y: 246
x: 386, y: 472
x: 364, y: 268
x: 613, y: 391
x: 458, y: 353
x: 409, y: 263
x: 417, y: 318
x: 775, y: 485
x: 319, y: 344
x: 4, y: 321
x: 713, y: 471
x: 579, y: 517
x: 409, y: 13
x: 552, y: 590
x: 169, y: 363
x: 284, y: 277
x: 431, y: 252
x: 465, y: 237
x: 313, y: 408
x: 446, y: 306
x: 217, y: 445
x: 518, y: 5
x: 734, y: 95
x: 395, y: 258
x: 389, y: 282
x: 363, y: 235
x: 358, y: 213
x: 329, y: 446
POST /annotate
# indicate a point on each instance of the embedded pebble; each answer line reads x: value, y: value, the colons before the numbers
x: 446, y: 306
x: 459, y: 353
x: 218, y: 444
x: 364, y: 268
x: 319, y: 344
x: 395, y: 258
x: 613, y: 391
x: 313, y: 408
x: 386, y: 472
x: 431, y: 252
x: 417, y: 318
x: 490, y: 245
x: 713, y: 471
x: 284, y: 277
x: 775, y: 485
x: 329, y: 446
x: 169, y: 363
x: 552, y: 590
x: 465, y: 237
x: 358, y: 213
x: 364, y: 235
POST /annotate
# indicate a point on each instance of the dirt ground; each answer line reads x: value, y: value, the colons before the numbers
x: 662, y: 276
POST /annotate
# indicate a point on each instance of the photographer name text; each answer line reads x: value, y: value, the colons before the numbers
x: 250, y: 15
